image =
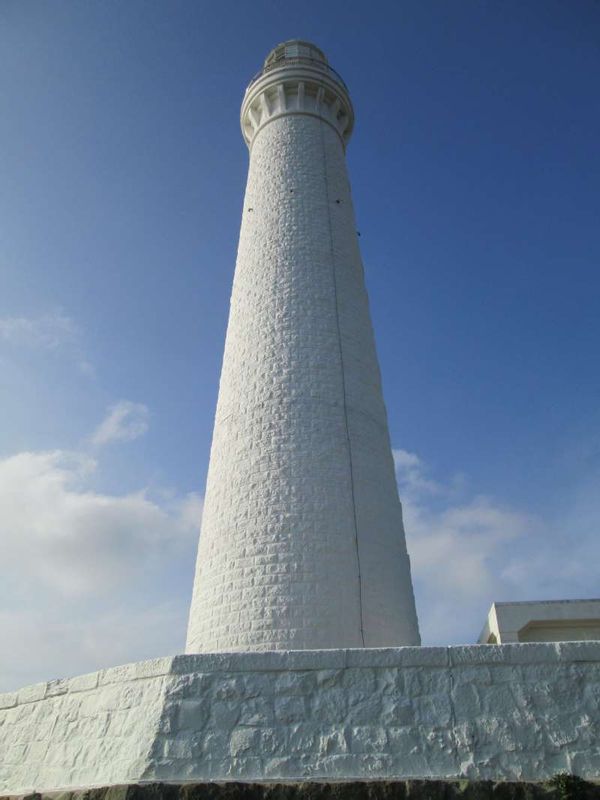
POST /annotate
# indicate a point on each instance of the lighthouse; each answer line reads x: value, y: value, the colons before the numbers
x: 302, y: 543
x: 302, y: 555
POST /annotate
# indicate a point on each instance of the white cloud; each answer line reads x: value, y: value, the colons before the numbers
x: 47, y: 332
x: 469, y: 550
x: 59, y: 640
x: 87, y: 578
x: 411, y: 471
x: 53, y: 332
x: 74, y: 540
x: 124, y: 422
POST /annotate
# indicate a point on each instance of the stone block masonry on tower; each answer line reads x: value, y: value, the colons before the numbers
x: 302, y: 542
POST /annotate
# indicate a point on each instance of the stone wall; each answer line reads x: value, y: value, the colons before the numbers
x: 504, y: 712
x: 93, y: 729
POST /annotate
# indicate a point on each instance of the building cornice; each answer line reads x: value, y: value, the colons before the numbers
x: 297, y: 89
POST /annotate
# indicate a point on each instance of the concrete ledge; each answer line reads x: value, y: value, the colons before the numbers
x: 579, y: 651
x: 8, y: 699
x: 276, y: 660
x: 501, y: 712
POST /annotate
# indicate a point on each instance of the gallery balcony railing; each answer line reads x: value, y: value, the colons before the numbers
x: 322, y: 66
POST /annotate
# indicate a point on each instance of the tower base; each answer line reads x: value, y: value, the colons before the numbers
x: 507, y: 712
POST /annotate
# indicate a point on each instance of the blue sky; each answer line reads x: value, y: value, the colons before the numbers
x: 476, y: 174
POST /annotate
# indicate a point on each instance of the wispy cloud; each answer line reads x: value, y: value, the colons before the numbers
x: 46, y: 332
x: 88, y: 578
x: 469, y: 550
x: 124, y: 422
x: 53, y: 332
x: 412, y: 473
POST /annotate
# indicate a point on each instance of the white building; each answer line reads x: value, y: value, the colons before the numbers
x: 542, y: 621
x: 302, y: 542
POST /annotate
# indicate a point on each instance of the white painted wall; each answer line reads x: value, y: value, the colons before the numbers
x: 480, y: 712
x: 302, y: 542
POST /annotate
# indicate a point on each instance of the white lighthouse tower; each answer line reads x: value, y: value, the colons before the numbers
x: 302, y: 549
x: 302, y: 543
